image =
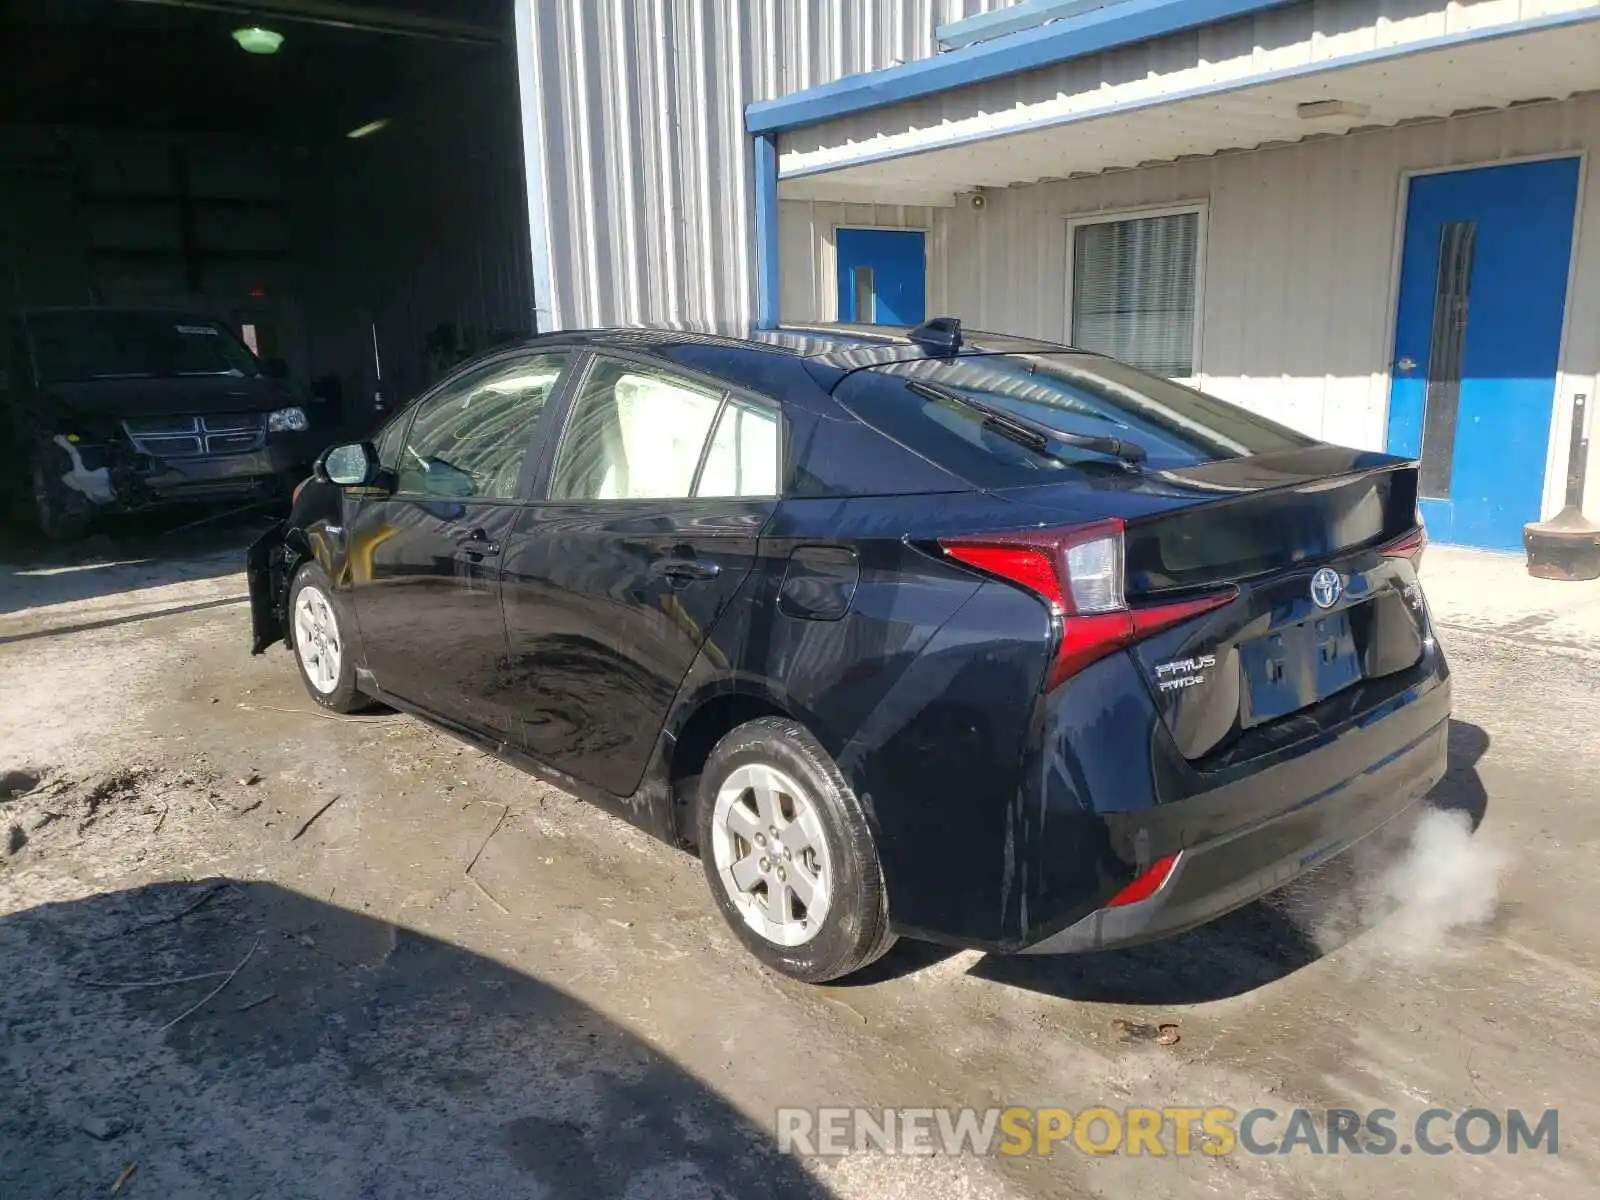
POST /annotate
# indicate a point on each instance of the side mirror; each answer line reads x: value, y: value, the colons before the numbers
x: 354, y: 464
x: 275, y: 368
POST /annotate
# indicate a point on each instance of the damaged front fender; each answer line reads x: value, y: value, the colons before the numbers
x: 94, y: 483
x: 269, y: 565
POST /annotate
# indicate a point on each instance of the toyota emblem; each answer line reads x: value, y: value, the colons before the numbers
x: 1326, y: 588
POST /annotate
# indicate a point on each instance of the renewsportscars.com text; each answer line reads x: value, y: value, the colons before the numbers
x: 1172, y: 1130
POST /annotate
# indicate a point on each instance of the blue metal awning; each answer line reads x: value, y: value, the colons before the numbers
x: 1074, y: 34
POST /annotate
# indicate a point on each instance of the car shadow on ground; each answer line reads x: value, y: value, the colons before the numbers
x: 1250, y: 947
x: 343, y: 1056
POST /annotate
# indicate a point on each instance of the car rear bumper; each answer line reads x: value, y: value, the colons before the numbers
x: 1215, y: 876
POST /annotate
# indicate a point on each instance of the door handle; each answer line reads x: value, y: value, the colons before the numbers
x: 476, y: 543
x: 685, y: 570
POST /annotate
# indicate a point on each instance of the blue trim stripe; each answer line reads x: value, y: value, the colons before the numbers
x: 1405, y: 50
x: 1072, y: 37
x: 766, y: 193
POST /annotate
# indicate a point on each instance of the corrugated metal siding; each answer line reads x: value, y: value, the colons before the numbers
x: 647, y: 200
x: 1299, y: 276
x: 92, y: 218
x: 1311, y: 33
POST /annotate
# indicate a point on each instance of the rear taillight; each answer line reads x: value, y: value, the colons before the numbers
x: 1409, y: 545
x: 1078, y: 573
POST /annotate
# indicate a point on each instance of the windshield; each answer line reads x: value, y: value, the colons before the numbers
x: 1072, y: 393
x: 77, y: 346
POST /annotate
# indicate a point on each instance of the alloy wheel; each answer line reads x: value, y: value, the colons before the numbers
x: 317, y: 640
x: 771, y: 854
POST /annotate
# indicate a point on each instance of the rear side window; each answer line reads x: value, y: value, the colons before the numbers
x: 934, y: 407
x: 743, y: 457
x: 639, y: 433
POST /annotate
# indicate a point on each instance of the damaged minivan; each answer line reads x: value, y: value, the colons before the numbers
x: 122, y: 410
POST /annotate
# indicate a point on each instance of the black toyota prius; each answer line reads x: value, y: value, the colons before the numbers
x: 923, y: 632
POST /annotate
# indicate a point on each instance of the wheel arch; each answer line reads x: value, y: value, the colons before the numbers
x: 703, y: 719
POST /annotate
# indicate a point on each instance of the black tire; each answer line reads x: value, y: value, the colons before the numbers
x: 59, y: 515
x: 337, y: 690
x: 855, y: 928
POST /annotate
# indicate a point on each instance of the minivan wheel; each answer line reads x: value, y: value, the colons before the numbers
x: 788, y: 853
x: 318, y: 619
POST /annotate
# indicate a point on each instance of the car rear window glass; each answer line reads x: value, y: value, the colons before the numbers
x: 934, y: 407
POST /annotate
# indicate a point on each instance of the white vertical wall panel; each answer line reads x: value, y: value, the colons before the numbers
x: 1300, y: 262
x: 646, y: 169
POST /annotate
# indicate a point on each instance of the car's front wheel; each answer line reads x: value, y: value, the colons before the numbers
x: 789, y: 855
x: 59, y: 514
x: 318, y: 620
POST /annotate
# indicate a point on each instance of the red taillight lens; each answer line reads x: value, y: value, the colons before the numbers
x: 1031, y: 568
x: 1078, y: 573
x: 1146, y: 884
x: 1410, y: 545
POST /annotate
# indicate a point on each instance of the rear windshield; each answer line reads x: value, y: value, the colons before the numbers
x: 77, y: 346
x: 919, y: 403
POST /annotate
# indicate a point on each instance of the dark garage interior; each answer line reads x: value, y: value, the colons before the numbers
x: 340, y: 183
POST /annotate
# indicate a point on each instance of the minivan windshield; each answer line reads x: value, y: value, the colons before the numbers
x: 78, y: 345
x: 1084, y: 396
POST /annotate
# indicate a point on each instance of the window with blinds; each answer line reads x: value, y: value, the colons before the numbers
x: 1133, y: 290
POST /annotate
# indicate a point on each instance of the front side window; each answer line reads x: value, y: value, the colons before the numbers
x: 1134, y: 290
x: 391, y: 442
x: 636, y: 433
x: 469, y: 439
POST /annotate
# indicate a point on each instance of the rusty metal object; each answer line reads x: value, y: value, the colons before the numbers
x: 1567, y: 546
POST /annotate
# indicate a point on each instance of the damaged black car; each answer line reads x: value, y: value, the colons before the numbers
x: 124, y: 410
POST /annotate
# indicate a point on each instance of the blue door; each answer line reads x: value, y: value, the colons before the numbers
x: 1483, y: 285
x: 883, y: 276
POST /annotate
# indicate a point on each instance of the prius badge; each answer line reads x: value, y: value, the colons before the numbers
x: 1326, y: 588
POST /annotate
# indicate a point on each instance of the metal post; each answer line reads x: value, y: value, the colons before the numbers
x: 766, y: 193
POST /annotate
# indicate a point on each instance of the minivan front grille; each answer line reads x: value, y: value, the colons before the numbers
x: 190, y: 437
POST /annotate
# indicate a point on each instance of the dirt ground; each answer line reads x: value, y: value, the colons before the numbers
x: 571, y: 1019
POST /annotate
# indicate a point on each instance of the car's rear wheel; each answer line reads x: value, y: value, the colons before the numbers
x: 789, y: 855
x: 318, y: 620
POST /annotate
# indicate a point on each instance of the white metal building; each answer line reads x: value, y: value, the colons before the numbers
x: 1369, y: 219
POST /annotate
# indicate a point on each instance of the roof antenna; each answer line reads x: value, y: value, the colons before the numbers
x: 939, y: 336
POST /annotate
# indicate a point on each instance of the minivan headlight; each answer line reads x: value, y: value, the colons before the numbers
x: 288, y: 420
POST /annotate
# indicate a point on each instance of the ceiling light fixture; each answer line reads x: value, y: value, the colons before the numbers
x: 255, y: 40
x: 361, y: 131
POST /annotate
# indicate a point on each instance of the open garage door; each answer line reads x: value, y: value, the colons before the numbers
x: 341, y: 184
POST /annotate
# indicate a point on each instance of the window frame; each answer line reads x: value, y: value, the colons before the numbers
x: 578, y: 376
x: 1200, y: 210
x: 527, y: 473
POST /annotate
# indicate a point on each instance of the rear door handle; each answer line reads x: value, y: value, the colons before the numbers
x: 685, y: 570
x: 476, y: 544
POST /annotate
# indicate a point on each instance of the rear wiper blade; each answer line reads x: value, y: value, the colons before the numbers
x: 1035, y: 434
